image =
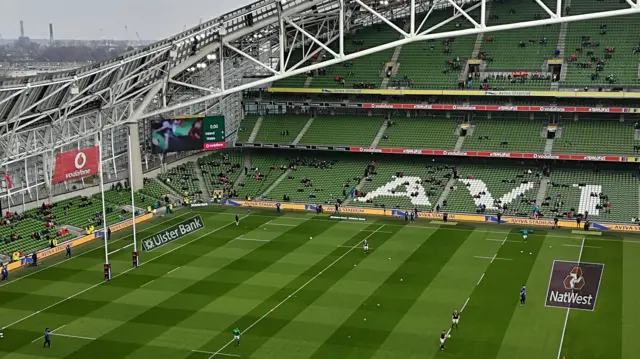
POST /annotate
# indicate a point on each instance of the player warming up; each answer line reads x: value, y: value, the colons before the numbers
x: 236, y: 336
x: 525, y: 234
x: 443, y: 338
x: 366, y: 246
x: 523, y: 296
x: 455, y: 318
x: 237, y: 220
x: 47, y: 339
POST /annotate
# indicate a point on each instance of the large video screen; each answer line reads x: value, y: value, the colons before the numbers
x: 176, y: 135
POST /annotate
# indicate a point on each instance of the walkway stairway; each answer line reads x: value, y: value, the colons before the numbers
x: 256, y: 128
x: 303, y: 131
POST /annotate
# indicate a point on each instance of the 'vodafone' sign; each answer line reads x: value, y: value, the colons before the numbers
x: 73, y: 165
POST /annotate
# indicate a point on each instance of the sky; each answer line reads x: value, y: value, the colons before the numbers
x: 106, y: 19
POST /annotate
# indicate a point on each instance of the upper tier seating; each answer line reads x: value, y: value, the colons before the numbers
x: 596, y: 137
x: 506, y: 135
x: 342, y: 130
x: 432, y: 64
x: 589, y: 40
x: 246, y: 127
x: 281, y: 128
x: 504, y: 47
x: 421, y: 132
x: 365, y: 70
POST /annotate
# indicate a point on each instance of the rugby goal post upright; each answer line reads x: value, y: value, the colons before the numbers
x: 107, y: 266
x: 134, y: 255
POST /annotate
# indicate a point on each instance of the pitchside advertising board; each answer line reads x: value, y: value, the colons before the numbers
x: 73, y: 165
x: 574, y: 285
x: 168, y: 235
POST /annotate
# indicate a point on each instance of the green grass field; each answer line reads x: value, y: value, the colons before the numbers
x: 296, y: 297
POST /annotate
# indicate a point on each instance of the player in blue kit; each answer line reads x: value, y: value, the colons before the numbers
x: 525, y: 234
x: 523, y: 295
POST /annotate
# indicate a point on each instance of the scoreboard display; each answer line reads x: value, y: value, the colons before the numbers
x: 187, y: 133
x: 213, y: 131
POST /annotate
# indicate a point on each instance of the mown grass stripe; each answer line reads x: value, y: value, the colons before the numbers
x: 101, y: 296
x: 332, y: 271
x: 601, y: 329
x: 398, y: 293
x: 155, y: 320
x: 493, y: 302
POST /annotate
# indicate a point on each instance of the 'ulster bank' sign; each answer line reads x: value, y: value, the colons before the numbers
x: 574, y: 285
x: 172, y: 233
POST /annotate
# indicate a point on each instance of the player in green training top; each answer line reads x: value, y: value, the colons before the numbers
x: 236, y: 336
x: 525, y: 234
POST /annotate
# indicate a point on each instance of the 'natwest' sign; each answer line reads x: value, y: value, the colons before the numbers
x: 73, y: 165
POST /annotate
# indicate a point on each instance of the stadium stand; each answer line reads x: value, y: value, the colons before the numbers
x: 386, y: 185
x: 245, y: 128
x: 435, y: 64
x: 596, y: 137
x: 617, y: 189
x: 183, y: 179
x: 17, y: 235
x: 524, y: 49
x: 266, y: 169
x: 421, y: 132
x: 342, y: 130
x: 320, y: 179
x: 506, y: 135
x: 601, y: 52
x: 297, y: 80
x: 367, y: 71
x: 281, y: 128
x: 487, y: 189
x: 220, y: 170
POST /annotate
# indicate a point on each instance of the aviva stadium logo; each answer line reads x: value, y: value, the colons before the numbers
x: 574, y: 285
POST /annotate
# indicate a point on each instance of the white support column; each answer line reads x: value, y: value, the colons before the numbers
x: 221, y: 63
x: 413, y: 18
x: 252, y: 59
x: 342, y: 28
x: 483, y: 13
x: 559, y: 8
x: 282, y: 37
x: 382, y: 18
x: 546, y: 9
x: 464, y: 13
x: 313, y: 38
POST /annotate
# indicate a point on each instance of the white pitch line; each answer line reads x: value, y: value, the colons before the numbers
x: 250, y: 239
x: 493, y: 258
x: 116, y: 276
x: 89, y: 251
x: 566, y: 318
x: 73, y: 336
x: 480, y: 280
x: 279, y: 224
x: 173, y: 270
x: 575, y: 245
x: 149, y: 282
x: 464, y: 305
x: 299, y: 289
x: 42, y: 336
x: 221, y: 354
